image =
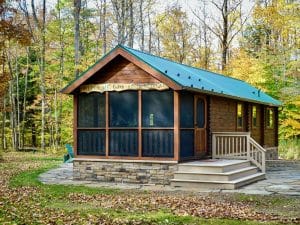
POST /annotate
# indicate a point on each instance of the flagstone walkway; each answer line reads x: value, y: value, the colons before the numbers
x: 281, y: 179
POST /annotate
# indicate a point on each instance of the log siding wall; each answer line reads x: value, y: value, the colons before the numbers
x: 223, y: 118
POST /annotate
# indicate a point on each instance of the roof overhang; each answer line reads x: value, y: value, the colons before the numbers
x: 227, y: 96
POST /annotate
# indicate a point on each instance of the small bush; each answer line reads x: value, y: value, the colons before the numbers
x: 290, y: 149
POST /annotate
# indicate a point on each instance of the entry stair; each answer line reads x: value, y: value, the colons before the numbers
x: 216, y: 174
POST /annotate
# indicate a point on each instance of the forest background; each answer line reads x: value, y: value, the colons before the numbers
x: 45, y: 44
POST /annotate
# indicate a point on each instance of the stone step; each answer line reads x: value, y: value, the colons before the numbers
x: 216, y: 185
x: 218, y: 166
x: 208, y: 176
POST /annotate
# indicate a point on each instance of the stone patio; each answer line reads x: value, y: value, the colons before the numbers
x: 283, y: 177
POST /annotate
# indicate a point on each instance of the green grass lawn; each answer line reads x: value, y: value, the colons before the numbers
x: 25, y: 200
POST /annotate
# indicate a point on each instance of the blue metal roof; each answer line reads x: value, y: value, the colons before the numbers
x: 202, y: 80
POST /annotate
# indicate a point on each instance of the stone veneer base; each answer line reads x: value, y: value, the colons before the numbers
x: 127, y: 171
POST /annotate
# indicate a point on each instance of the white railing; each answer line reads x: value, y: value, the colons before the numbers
x: 238, y: 145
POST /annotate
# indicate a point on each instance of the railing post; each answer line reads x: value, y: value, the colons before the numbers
x: 248, y: 146
x: 263, y: 163
x: 214, y: 144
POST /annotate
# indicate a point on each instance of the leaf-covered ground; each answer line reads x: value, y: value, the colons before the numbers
x: 24, y: 200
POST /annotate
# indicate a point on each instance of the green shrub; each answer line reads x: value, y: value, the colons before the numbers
x: 290, y: 149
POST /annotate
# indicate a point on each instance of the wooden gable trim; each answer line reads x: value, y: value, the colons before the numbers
x: 119, y: 51
x: 156, y: 74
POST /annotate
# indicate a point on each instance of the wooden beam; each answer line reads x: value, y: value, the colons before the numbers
x: 176, y: 126
x: 75, y: 108
x: 262, y: 125
x: 106, y: 125
x: 140, y: 123
x: 276, y: 123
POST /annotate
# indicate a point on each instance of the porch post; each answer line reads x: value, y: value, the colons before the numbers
x: 75, y: 105
x: 106, y: 124
x: 176, y: 127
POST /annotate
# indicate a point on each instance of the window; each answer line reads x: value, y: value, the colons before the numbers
x: 158, y: 109
x: 254, y: 116
x: 270, y: 118
x: 239, y: 115
x: 123, y: 109
x: 91, y: 110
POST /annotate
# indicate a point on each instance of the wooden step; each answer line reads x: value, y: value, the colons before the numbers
x: 213, y: 185
x: 218, y: 166
x: 209, y: 176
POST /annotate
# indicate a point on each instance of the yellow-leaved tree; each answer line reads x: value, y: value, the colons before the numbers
x: 245, y: 67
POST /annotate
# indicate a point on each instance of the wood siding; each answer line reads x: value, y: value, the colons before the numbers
x: 223, y: 118
x: 222, y: 114
x: 121, y: 70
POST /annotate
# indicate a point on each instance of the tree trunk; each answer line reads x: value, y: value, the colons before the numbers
x: 77, y: 8
x: 142, y: 32
x: 150, y: 33
x: 131, y: 25
x: 104, y: 46
x: 42, y: 78
x: 3, y: 138
x: 225, y: 35
x: 24, y: 100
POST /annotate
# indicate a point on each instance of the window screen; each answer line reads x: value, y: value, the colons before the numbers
x: 123, y: 143
x: 91, y: 142
x: 187, y: 110
x: 123, y: 109
x: 158, y: 109
x: 186, y: 143
x: 158, y: 143
x: 91, y: 110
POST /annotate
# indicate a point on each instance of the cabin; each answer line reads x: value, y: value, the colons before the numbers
x: 140, y: 118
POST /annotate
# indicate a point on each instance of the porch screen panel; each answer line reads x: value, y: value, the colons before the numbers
x: 123, y: 121
x: 91, y: 110
x: 186, y: 143
x: 91, y: 142
x: 123, y: 143
x: 158, y: 143
x: 123, y: 109
x: 158, y: 109
x: 187, y: 110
